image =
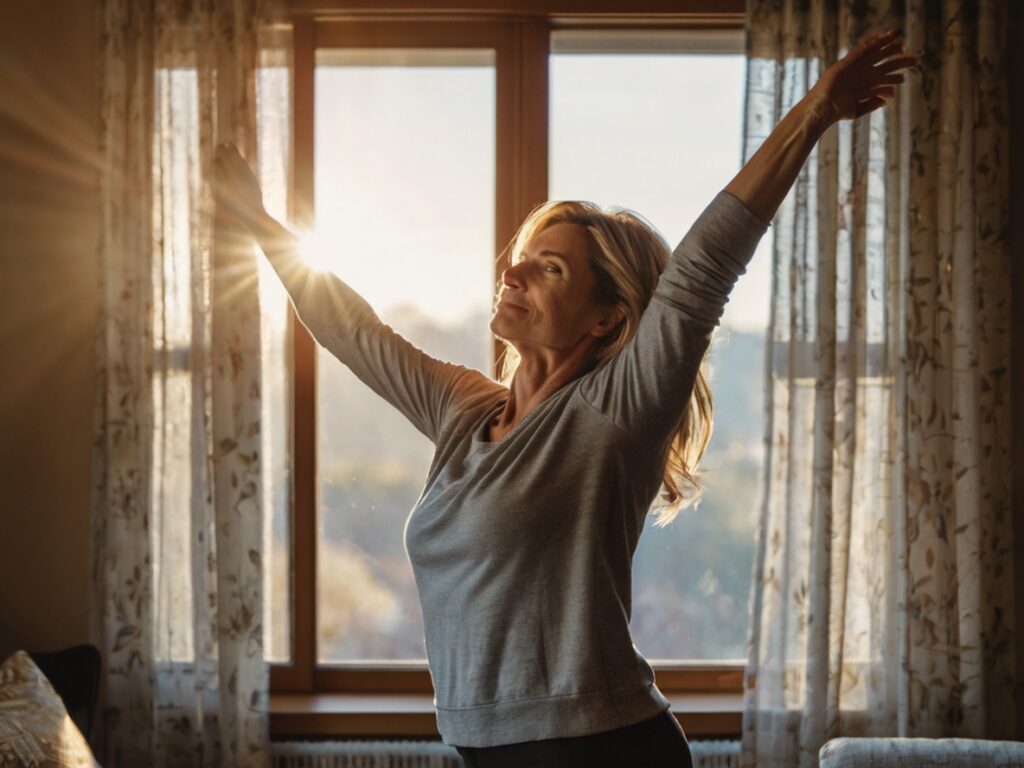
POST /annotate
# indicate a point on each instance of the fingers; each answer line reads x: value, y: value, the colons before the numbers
x: 899, y: 62
x: 892, y: 46
x: 869, y: 105
x: 891, y: 80
x: 229, y: 163
x: 884, y: 50
x: 227, y: 154
x: 879, y: 40
x: 891, y: 49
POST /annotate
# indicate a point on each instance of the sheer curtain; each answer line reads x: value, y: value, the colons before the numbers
x: 882, y: 601
x: 188, y: 450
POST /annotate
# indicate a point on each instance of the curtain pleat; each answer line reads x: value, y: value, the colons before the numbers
x: 882, y: 600
x: 183, y: 487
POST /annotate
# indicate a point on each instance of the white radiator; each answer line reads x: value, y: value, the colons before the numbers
x: 715, y: 754
x: 364, y: 754
x: 434, y: 754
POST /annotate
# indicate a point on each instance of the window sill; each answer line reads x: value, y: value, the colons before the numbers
x: 391, y: 715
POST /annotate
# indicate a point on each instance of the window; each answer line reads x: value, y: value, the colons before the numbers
x: 625, y: 122
x: 404, y: 176
x: 421, y: 145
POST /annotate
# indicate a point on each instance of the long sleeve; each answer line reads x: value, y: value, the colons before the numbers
x: 646, y: 387
x: 423, y: 388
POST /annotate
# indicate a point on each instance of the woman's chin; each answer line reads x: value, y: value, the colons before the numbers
x: 499, y: 327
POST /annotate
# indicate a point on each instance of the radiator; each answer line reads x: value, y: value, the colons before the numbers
x: 364, y: 754
x: 715, y: 754
x: 434, y: 754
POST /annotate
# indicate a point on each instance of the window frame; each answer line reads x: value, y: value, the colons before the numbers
x: 519, y: 32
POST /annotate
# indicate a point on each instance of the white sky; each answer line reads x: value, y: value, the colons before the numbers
x: 405, y: 167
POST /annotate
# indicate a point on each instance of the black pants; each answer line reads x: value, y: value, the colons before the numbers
x: 659, y: 742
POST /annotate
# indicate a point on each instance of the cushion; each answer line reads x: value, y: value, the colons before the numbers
x: 35, y: 729
x: 920, y: 753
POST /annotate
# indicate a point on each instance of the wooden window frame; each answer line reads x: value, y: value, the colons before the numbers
x: 309, y: 699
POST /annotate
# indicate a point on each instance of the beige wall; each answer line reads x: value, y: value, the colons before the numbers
x: 49, y: 299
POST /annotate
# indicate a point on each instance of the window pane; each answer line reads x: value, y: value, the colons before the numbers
x: 404, y: 184
x: 660, y: 133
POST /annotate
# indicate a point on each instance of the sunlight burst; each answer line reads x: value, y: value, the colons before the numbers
x: 316, y: 251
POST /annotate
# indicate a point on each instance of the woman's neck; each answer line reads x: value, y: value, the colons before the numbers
x: 537, y: 378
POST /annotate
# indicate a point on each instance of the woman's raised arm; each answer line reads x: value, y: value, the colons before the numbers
x: 427, y: 391
x: 646, y: 387
x: 240, y: 201
x: 858, y: 83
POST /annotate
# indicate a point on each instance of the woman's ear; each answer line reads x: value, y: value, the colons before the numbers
x: 610, y: 320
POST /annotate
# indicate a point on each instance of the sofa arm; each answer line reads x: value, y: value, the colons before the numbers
x: 920, y: 753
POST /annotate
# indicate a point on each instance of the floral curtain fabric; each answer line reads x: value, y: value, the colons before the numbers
x: 882, y: 600
x: 185, y: 353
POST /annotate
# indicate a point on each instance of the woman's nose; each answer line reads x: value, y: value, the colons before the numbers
x: 512, y: 277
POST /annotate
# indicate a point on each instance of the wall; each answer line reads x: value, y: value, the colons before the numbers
x: 1016, y: 85
x: 49, y: 299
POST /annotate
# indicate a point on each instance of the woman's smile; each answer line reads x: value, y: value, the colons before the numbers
x: 512, y: 306
x: 547, y: 295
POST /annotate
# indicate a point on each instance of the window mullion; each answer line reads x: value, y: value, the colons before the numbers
x: 298, y: 675
x: 521, y: 173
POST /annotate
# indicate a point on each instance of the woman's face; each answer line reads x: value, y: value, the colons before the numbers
x: 546, y: 303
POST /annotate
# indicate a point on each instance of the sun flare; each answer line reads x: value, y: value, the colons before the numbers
x: 315, y: 250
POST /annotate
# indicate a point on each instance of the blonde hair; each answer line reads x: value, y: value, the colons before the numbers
x: 627, y: 256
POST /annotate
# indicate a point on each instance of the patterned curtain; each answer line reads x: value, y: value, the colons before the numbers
x: 188, y: 450
x: 883, y: 587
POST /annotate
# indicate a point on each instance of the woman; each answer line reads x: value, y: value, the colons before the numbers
x: 523, y: 538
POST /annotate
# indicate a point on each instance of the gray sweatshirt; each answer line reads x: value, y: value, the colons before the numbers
x: 522, y: 549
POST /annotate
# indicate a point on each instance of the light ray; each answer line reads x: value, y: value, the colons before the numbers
x: 316, y: 252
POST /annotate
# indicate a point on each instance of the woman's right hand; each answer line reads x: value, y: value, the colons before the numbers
x: 236, y: 189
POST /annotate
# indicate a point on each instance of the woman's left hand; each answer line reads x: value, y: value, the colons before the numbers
x: 862, y: 80
x: 236, y: 187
